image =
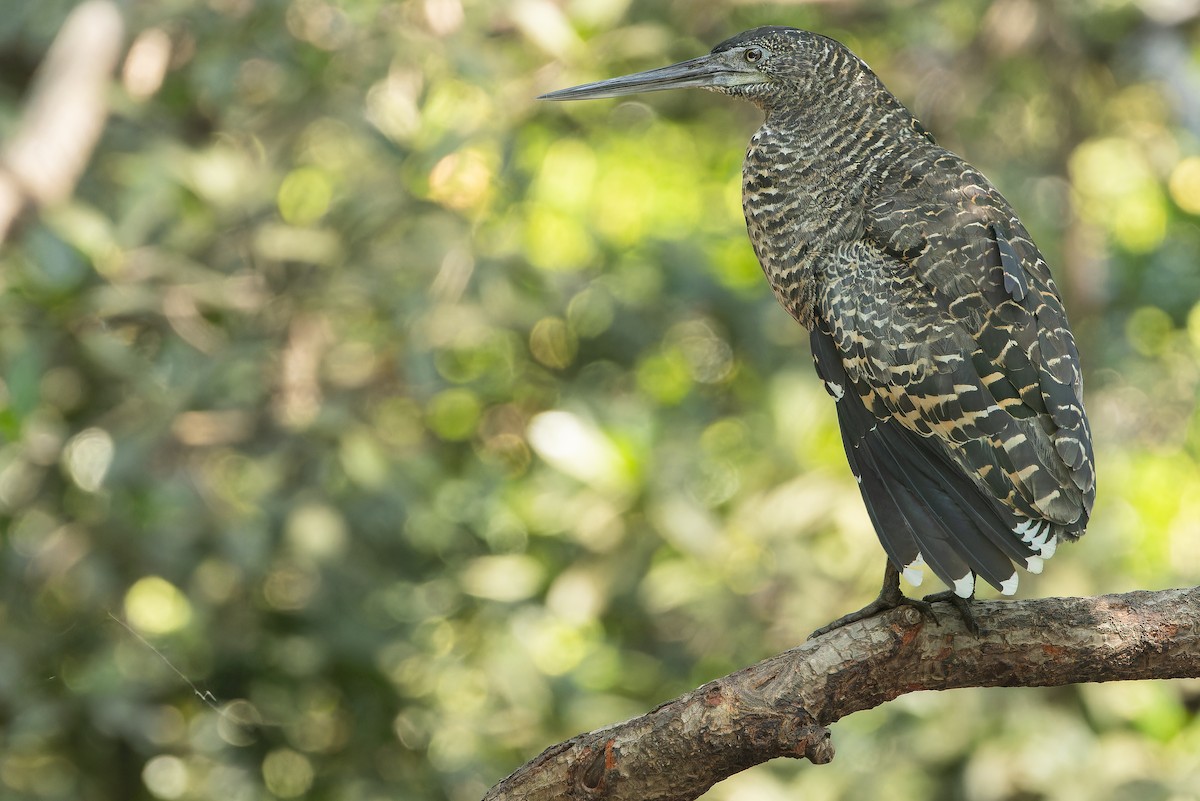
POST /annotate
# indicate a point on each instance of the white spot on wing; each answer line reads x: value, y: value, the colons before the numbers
x: 965, y: 586
x: 836, y: 390
x: 1009, y: 585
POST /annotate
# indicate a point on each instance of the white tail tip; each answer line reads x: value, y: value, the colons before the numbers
x: 1050, y: 547
x: 1009, y: 585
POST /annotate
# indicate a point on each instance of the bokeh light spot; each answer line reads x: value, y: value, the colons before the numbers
x: 154, y: 605
x: 577, y: 448
x: 363, y: 459
x: 567, y: 175
x: 453, y: 414
x: 290, y: 587
x: 512, y: 577
x: 316, y: 530
x: 1118, y: 189
x: 556, y: 241
x: 1184, y: 184
x: 552, y: 343
x: 590, y: 313
x: 165, y: 776
x: 304, y: 196
x: 88, y: 456
x: 461, y: 180
x: 556, y: 647
x: 287, y: 773
x: 1149, y: 329
x: 665, y: 376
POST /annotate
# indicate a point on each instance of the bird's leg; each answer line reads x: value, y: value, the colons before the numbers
x: 889, y: 598
x: 963, y: 605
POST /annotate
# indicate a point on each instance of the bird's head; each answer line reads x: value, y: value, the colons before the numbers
x: 763, y: 65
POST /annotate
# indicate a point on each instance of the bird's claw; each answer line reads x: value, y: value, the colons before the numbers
x: 890, y: 597
x: 963, y: 605
x: 872, y: 609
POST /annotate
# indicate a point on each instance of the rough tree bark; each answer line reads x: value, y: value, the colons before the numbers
x: 781, y: 706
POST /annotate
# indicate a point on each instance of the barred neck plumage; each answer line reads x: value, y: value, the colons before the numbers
x: 824, y: 149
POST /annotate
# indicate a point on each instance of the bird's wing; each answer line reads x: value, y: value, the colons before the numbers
x: 948, y: 328
x: 964, y: 243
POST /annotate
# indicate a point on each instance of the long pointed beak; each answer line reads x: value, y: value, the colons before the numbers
x: 713, y: 70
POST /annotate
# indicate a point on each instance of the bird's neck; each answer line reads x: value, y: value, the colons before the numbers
x: 808, y: 174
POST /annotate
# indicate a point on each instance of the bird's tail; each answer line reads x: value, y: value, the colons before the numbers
x: 923, y: 507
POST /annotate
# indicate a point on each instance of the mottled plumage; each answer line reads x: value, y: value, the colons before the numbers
x: 933, y: 318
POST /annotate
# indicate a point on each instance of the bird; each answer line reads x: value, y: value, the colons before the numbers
x: 933, y: 319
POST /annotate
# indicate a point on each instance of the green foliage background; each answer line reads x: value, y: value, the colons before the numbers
x: 424, y: 425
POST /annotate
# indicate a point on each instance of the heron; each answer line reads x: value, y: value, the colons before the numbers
x: 933, y: 319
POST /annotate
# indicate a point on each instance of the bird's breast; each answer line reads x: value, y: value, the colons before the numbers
x: 798, y: 206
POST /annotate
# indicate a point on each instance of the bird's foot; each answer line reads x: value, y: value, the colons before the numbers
x: 963, y: 605
x: 890, y: 597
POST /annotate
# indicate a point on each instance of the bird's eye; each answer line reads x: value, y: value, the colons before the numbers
x: 754, y: 54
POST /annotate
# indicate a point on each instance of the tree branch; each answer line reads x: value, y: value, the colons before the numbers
x: 64, y: 115
x: 781, y: 706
